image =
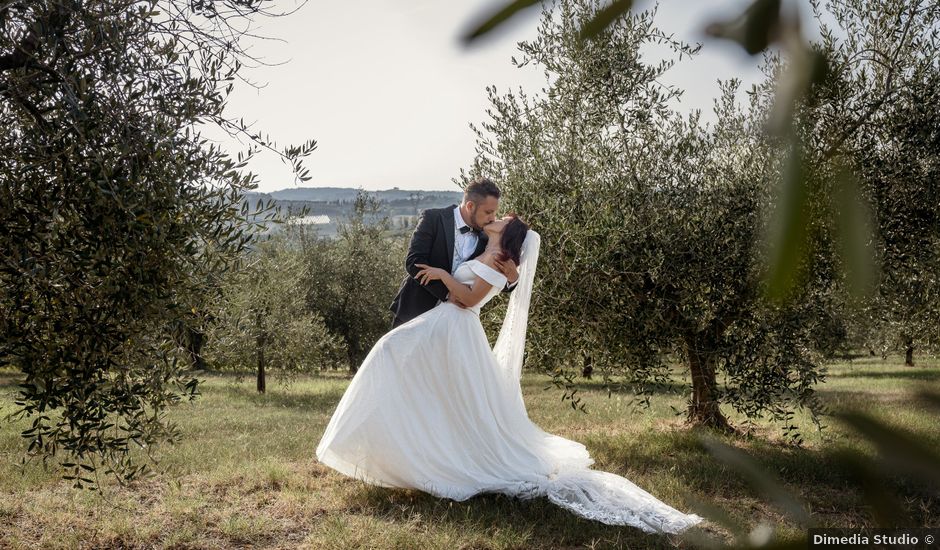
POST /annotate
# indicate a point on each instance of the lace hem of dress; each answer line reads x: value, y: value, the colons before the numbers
x: 591, y: 494
x: 615, y: 500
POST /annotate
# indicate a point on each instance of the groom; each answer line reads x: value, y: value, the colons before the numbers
x: 445, y: 238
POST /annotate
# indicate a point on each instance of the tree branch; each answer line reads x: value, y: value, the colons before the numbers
x: 889, y: 81
x: 21, y: 55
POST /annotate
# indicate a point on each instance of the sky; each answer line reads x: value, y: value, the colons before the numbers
x: 388, y: 91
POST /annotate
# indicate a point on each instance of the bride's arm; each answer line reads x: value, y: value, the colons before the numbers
x: 466, y: 295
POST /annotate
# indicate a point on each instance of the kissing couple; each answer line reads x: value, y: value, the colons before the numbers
x: 434, y: 408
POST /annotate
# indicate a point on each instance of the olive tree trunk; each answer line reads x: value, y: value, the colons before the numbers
x: 703, y: 409
x: 261, y: 341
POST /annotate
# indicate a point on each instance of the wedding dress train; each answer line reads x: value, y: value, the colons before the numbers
x: 433, y: 408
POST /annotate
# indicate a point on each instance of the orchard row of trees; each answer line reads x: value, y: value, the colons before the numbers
x: 302, y: 303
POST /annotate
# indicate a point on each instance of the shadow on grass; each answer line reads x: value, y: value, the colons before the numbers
x: 596, y: 385
x: 539, y: 522
x: 278, y: 395
x: 322, y: 401
x: 815, y: 476
x: 543, y: 523
x: 10, y: 378
x: 915, y: 373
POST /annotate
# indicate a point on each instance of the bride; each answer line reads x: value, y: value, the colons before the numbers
x: 434, y: 408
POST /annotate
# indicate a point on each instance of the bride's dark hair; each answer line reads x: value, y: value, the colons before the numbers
x: 511, y: 240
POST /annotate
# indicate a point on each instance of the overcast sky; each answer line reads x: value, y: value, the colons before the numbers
x: 388, y: 91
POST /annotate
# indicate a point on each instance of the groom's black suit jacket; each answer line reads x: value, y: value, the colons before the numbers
x: 433, y: 244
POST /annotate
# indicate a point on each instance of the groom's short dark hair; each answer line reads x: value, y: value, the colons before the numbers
x: 479, y: 189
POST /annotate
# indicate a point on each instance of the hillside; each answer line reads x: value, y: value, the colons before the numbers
x: 326, y: 205
x: 348, y: 194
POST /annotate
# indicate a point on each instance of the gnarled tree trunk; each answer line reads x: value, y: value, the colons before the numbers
x: 194, y: 343
x: 588, y: 368
x: 704, y: 409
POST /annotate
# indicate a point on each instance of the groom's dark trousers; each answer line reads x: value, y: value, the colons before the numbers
x: 433, y: 244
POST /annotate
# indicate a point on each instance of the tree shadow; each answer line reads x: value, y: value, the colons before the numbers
x: 595, y: 385
x: 548, y: 525
x: 284, y: 396
x: 916, y: 373
x: 865, y: 399
x: 322, y: 401
x: 543, y: 523
x: 10, y: 378
x: 817, y: 476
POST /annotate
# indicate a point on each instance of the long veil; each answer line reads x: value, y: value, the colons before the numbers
x: 510, y: 344
x: 592, y: 494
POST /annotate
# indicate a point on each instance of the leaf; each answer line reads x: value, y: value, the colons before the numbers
x: 789, y: 241
x: 498, y: 18
x: 909, y: 455
x: 807, y: 67
x: 885, y: 508
x: 604, y: 18
x: 754, y: 29
x: 855, y: 231
x: 760, y: 479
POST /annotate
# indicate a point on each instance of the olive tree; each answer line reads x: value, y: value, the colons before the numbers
x: 886, y: 88
x: 351, y: 280
x: 261, y: 319
x: 118, y: 216
x: 652, y: 222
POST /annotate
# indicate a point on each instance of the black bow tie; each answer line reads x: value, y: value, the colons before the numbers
x: 464, y: 229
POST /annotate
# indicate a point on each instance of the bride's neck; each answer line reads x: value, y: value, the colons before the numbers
x: 491, y: 247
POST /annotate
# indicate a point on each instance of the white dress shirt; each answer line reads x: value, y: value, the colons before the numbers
x: 464, y: 243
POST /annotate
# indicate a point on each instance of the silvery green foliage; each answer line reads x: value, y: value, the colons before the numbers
x: 351, y: 280
x: 118, y: 215
x: 649, y: 223
x: 879, y: 114
x: 260, y: 322
x: 657, y: 224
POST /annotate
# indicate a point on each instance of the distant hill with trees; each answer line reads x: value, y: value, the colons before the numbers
x: 325, y: 205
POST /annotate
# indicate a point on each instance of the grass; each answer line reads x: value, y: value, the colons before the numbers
x: 245, y: 474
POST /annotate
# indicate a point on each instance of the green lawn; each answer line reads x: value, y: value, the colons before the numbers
x: 245, y: 474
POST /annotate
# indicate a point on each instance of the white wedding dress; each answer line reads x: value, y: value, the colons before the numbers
x: 433, y: 408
